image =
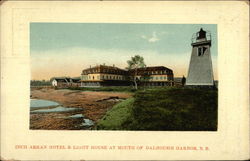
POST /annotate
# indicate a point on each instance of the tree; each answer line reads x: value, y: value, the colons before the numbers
x: 145, y: 77
x: 136, y: 62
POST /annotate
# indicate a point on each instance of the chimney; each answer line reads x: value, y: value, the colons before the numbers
x: 104, y: 64
x: 90, y: 66
x: 113, y: 65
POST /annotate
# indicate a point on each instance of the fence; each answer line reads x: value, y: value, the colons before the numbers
x: 41, y: 87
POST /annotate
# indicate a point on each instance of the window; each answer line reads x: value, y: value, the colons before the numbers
x: 98, y: 77
x: 93, y: 77
x: 160, y: 77
x: 201, y: 50
x: 156, y: 78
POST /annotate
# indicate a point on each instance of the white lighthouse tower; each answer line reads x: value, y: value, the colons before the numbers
x: 200, y: 72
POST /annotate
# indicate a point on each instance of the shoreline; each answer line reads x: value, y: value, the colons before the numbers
x: 94, y: 106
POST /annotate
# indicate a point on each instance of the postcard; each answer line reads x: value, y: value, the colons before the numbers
x: 124, y: 80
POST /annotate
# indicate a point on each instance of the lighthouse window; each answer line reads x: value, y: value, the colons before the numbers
x: 200, y: 51
x: 204, y: 49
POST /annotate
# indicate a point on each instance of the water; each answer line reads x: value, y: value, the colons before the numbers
x: 40, y: 106
x: 37, y: 103
x: 87, y: 122
x: 76, y: 116
x: 57, y: 109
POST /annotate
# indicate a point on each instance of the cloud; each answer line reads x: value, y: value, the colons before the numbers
x: 153, y: 38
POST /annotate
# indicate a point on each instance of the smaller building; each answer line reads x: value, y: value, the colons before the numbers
x: 76, y: 82
x: 65, y: 82
x: 178, y: 81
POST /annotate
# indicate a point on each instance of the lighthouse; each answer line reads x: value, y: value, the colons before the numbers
x: 200, y: 72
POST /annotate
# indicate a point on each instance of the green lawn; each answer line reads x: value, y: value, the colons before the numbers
x: 179, y: 109
x: 115, y: 118
x: 105, y: 89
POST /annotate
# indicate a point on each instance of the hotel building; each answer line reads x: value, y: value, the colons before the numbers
x: 153, y: 76
x: 103, y: 75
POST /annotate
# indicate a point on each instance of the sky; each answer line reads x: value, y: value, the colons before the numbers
x: 65, y: 49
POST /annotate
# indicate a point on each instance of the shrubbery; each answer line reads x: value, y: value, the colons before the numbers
x: 169, y: 109
x: 174, y: 109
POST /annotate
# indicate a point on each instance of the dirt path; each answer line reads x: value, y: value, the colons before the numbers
x: 94, y: 105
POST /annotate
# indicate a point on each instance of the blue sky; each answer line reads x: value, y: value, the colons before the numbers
x: 70, y: 47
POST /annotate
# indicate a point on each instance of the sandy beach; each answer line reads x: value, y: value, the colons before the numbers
x: 92, y: 105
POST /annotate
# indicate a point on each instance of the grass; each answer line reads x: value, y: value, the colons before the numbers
x: 115, y: 118
x: 178, y: 109
x: 105, y: 89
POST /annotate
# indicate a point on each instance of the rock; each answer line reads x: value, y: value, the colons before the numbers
x: 87, y: 122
